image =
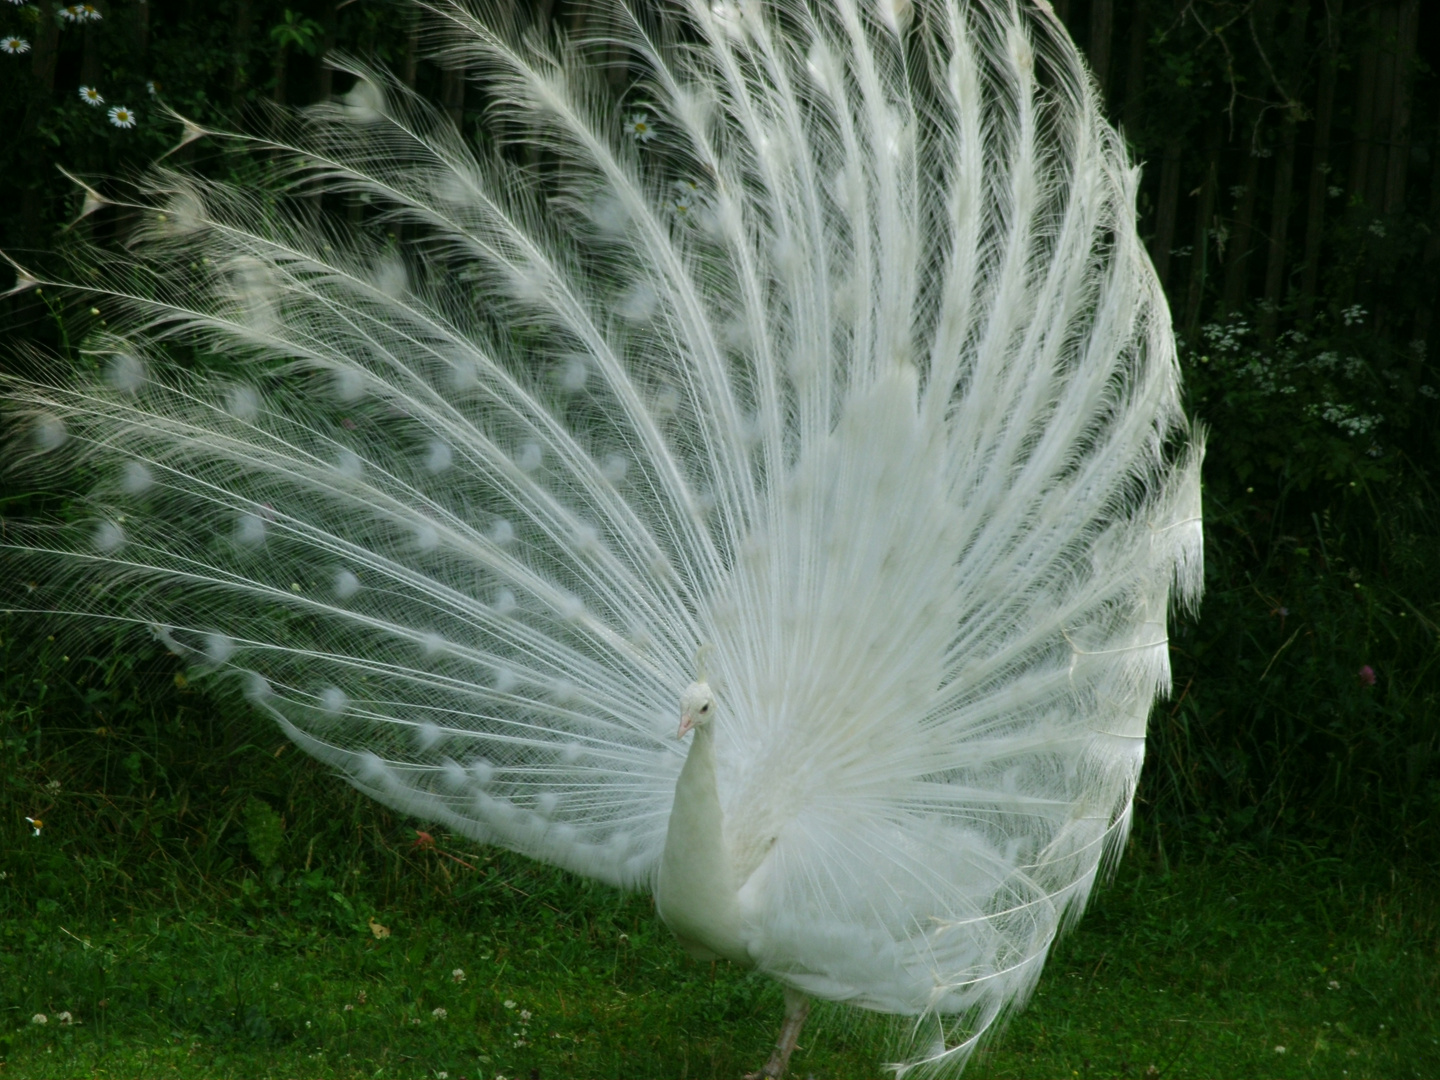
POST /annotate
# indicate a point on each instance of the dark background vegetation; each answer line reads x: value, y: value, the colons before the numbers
x: 1291, y: 200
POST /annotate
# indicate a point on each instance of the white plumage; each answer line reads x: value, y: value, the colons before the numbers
x: 832, y: 348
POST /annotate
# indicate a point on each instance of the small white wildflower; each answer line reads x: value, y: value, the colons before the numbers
x: 39, y: 1018
x: 1280, y: 1049
x: 640, y: 127
x: 150, y: 87
x: 440, y: 1013
x: 442, y: 1076
x: 687, y: 198
x: 65, y: 1017
x: 14, y: 45
x: 509, y: 1004
x: 458, y: 975
x: 91, y: 96
x: 122, y: 117
x: 71, y: 13
x: 87, y: 13
x: 348, y: 1008
x: 525, y: 1014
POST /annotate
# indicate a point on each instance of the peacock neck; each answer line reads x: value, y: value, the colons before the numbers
x: 697, y: 891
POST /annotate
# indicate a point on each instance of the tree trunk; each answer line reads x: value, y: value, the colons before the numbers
x: 47, y: 55
x: 1237, y: 263
x: 1167, y: 205
x: 1320, y: 162
x: 47, y: 46
x: 1276, y: 269
x: 1204, y: 215
x: 1430, y: 268
x: 410, y: 69
x: 1407, y: 28
x: 1363, y: 117
x: 1102, y: 25
x: 1382, y: 116
x: 452, y: 95
x: 239, y: 58
x: 91, y: 154
x: 1135, y: 73
x: 277, y: 72
x: 325, y: 77
x: 1279, y: 232
x: 142, y: 30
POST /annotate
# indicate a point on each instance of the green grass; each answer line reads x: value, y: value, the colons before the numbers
x: 200, y: 901
x: 1202, y: 971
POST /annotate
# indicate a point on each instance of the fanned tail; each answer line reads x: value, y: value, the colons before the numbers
x: 833, y: 347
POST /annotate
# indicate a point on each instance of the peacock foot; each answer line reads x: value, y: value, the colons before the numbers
x: 797, y: 1008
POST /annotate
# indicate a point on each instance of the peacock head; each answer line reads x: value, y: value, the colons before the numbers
x: 697, y: 707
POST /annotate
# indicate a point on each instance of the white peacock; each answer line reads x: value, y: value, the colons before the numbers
x: 832, y: 348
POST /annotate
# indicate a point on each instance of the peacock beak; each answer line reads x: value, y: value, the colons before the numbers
x: 686, y: 723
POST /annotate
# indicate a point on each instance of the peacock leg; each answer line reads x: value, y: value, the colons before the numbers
x: 797, y: 1008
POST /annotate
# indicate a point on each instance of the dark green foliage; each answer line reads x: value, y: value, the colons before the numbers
x: 148, y: 789
x: 264, y: 831
x: 1307, y: 691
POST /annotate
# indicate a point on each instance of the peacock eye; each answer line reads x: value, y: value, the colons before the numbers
x: 705, y: 708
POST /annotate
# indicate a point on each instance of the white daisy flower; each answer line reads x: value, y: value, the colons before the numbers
x: 640, y: 127
x: 150, y: 87
x: 88, y: 13
x: 14, y: 45
x: 91, y: 96
x: 71, y: 13
x: 122, y: 117
x: 687, y: 198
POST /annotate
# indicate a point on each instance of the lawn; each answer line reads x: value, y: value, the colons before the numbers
x: 1238, y: 966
